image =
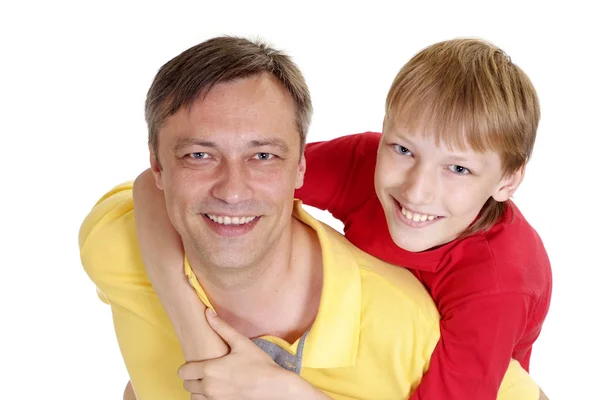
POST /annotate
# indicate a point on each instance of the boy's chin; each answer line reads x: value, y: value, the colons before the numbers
x: 411, y: 244
x: 409, y: 240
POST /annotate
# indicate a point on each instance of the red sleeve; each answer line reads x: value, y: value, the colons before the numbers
x: 337, y: 171
x: 475, y: 347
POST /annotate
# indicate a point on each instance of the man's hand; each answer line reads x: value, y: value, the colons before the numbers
x: 246, y: 372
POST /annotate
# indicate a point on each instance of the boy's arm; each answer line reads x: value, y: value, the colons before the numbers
x: 162, y: 253
x: 474, y: 351
x: 129, y: 394
x: 339, y: 173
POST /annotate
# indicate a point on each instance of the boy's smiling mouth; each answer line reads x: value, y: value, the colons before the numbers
x: 414, y: 218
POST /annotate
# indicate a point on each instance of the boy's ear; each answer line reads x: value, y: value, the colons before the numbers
x: 509, y: 184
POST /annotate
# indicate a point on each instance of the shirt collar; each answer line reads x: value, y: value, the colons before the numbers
x: 332, y: 341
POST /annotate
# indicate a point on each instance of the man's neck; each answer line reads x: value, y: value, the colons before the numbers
x: 277, y: 296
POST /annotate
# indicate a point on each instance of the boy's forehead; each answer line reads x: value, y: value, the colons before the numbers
x: 427, y: 128
x: 454, y: 144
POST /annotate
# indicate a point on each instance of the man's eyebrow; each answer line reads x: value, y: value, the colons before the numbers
x: 275, y: 142
x: 186, y: 142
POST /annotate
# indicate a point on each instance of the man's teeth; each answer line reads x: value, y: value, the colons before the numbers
x: 230, y: 220
x: 416, y: 217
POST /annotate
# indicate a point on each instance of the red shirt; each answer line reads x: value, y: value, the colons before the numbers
x: 492, y: 288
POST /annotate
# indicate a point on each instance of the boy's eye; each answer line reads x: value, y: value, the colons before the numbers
x: 402, y: 150
x: 264, y: 156
x: 457, y: 169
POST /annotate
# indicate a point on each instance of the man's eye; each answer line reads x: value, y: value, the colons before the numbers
x: 402, y: 150
x: 457, y: 169
x: 263, y: 156
x: 198, y: 155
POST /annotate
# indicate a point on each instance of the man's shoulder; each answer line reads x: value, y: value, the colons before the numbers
x: 111, y: 206
x: 383, y: 282
x: 385, y: 286
x: 399, y: 322
x: 107, y: 239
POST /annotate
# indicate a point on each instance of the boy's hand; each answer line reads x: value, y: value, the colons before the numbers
x: 246, y: 372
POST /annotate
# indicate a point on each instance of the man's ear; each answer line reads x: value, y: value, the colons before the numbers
x: 156, y: 168
x: 509, y: 184
x: 301, y: 171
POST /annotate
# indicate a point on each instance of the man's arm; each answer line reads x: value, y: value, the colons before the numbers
x: 162, y: 253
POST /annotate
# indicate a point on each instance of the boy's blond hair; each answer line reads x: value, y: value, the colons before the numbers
x: 468, y: 94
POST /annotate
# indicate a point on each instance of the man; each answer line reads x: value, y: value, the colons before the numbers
x: 227, y: 126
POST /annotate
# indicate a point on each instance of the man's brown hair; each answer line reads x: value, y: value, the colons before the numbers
x: 194, y: 72
x: 469, y: 94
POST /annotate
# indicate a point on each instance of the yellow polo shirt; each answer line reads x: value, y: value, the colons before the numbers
x: 372, y: 338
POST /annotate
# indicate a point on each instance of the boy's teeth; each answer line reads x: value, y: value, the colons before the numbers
x: 416, y: 217
x: 230, y: 220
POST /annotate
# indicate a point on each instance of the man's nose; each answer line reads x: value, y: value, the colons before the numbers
x: 233, y: 184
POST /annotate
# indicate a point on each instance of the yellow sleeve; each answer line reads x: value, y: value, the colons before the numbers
x: 110, y: 256
x: 94, y: 231
x: 517, y: 384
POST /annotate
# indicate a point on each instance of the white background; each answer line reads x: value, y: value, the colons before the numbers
x: 73, y: 81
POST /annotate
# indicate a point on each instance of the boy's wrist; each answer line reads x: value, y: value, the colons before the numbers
x: 296, y: 387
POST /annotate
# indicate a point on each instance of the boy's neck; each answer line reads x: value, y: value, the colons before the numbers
x: 278, y: 296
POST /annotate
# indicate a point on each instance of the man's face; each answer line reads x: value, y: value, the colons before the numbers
x: 430, y: 193
x: 230, y: 166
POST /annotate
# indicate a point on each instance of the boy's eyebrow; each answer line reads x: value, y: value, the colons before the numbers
x: 403, y: 138
x: 454, y: 157
x: 458, y: 158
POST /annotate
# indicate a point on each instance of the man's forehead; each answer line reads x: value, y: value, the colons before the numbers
x: 241, y: 103
x: 239, y: 111
x: 263, y: 88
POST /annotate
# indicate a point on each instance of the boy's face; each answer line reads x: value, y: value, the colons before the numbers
x: 430, y: 193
